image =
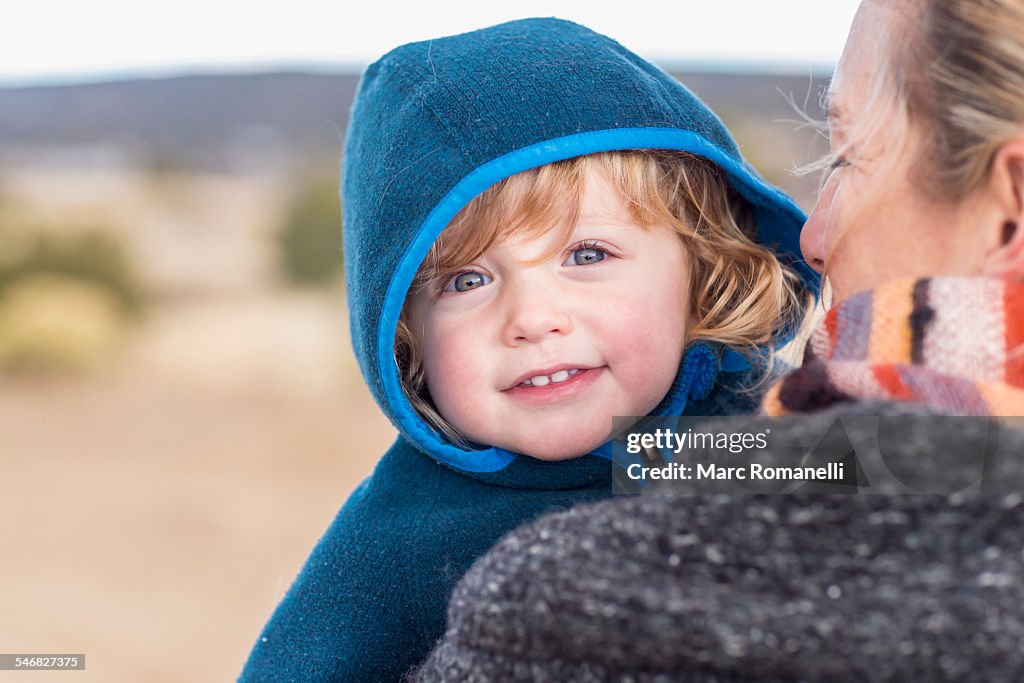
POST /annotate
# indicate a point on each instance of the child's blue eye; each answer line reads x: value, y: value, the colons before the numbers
x: 585, y: 255
x: 467, y: 281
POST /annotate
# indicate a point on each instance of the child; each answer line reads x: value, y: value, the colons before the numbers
x: 537, y: 224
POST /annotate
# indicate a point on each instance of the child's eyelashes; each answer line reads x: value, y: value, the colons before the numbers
x: 466, y: 281
x: 586, y: 253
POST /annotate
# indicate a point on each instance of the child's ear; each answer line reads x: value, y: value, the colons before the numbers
x: 1005, y: 258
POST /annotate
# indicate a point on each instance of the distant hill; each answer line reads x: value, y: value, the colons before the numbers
x: 251, y: 122
x: 188, y: 122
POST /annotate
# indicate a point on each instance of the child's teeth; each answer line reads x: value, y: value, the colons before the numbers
x: 544, y: 380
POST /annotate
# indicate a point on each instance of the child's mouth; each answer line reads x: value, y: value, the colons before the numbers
x: 553, y: 378
x: 557, y: 386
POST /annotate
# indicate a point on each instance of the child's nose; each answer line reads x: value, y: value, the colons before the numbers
x: 534, y: 315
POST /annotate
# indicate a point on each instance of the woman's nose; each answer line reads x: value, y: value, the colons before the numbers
x: 534, y: 313
x: 812, y: 237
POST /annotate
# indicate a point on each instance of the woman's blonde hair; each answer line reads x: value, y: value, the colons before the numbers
x: 969, y: 95
x: 741, y: 294
x: 954, y: 69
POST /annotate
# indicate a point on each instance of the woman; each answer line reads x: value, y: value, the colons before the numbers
x: 920, y: 230
x: 926, y: 115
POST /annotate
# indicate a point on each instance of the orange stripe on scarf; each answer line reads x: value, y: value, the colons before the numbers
x: 1003, y: 400
x: 1013, y: 307
x: 888, y: 376
x: 890, y: 330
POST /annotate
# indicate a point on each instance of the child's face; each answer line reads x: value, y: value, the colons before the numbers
x: 599, y: 327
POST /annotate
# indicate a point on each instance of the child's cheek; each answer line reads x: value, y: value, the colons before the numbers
x: 454, y: 372
x: 646, y: 337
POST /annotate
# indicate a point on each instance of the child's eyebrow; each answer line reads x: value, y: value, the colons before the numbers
x: 590, y: 220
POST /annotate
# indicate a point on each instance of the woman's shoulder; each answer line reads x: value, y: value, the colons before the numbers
x: 732, y: 584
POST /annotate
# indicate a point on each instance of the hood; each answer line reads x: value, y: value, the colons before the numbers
x: 435, y: 123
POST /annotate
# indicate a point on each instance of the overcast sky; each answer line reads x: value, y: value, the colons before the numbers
x: 47, y: 40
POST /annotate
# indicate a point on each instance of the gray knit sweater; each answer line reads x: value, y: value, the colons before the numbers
x: 728, y: 587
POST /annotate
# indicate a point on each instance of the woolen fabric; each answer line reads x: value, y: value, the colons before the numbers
x: 953, y: 343
x: 808, y: 588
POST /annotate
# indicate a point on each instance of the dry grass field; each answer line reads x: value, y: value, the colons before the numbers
x: 157, y: 505
x: 155, y: 513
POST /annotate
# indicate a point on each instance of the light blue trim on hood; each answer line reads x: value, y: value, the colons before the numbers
x: 776, y: 216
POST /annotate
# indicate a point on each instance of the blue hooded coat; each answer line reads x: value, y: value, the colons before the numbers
x: 433, y: 125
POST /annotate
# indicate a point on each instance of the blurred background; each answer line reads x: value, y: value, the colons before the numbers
x: 180, y: 412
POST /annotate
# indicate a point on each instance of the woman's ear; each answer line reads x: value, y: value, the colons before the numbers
x: 1006, y: 257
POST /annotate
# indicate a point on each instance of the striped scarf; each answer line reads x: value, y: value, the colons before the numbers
x: 954, y: 344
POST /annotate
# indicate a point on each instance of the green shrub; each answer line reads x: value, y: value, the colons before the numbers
x: 66, y: 299
x: 92, y: 256
x: 51, y: 324
x: 310, y: 239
